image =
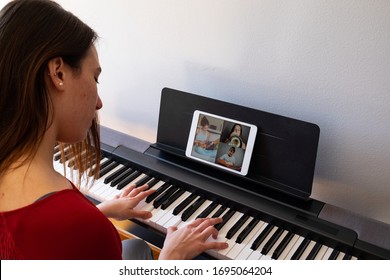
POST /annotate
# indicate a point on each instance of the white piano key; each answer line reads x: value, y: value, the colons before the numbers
x: 243, y: 250
x: 222, y: 235
x: 236, y: 248
x: 288, y: 248
x: 308, y: 249
x: 293, y: 249
x: 340, y: 256
x: 327, y: 253
x: 321, y: 252
x: 257, y: 255
x: 232, y: 241
x: 280, y: 239
x: 159, y: 213
x: 170, y: 219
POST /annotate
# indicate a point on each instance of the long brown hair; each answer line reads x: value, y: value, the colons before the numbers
x: 32, y: 32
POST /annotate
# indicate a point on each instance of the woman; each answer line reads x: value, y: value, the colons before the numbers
x: 49, y: 69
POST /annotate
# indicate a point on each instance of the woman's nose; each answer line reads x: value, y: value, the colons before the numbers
x: 99, y: 103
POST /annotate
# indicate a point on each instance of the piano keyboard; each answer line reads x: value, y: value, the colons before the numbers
x: 251, y: 235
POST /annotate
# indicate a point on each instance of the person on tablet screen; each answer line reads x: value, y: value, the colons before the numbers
x: 203, y: 143
x: 228, y: 159
x: 235, y: 137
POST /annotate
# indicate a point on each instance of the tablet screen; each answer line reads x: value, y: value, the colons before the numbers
x: 221, y: 142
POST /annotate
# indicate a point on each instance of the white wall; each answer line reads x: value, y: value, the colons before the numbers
x: 323, y: 61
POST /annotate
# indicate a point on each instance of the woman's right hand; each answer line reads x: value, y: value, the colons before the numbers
x: 191, y: 240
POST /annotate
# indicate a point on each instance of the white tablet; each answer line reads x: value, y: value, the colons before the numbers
x: 221, y: 142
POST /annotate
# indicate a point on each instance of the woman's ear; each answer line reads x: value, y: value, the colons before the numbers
x: 56, y: 72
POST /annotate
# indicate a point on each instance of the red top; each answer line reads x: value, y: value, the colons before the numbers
x: 63, y: 225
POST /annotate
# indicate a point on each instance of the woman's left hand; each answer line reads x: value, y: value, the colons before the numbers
x: 121, y: 207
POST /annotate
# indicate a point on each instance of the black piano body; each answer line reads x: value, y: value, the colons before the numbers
x: 278, y: 185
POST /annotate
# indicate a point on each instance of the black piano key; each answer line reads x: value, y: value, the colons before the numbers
x: 271, y: 242
x: 282, y: 246
x: 208, y: 210
x: 334, y: 254
x: 219, y: 211
x: 121, y: 177
x: 128, y: 180
x: 172, y: 199
x: 152, y: 182
x: 313, y: 253
x: 261, y: 237
x: 298, y: 253
x: 236, y: 226
x: 105, y: 164
x: 347, y: 256
x: 225, y: 219
x: 184, y: 204
x: 56, y: 149
x: 112, y: 176
x: 159, y: 191
x: 159, y: 200
x: 143, y: 181
x: 192, y: 208
x: 108, y: 168
x: 247, y: 230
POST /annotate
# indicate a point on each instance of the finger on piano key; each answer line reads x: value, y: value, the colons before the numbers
x: 146, y: 206
x: 225, y: 219
x: 196, y: 213
x: 158, y: 192
x: 233, y: 218
x: 186, y: 214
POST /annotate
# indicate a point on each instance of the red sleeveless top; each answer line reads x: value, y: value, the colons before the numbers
x: 62, y: 226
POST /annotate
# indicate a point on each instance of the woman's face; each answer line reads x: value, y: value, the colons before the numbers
x: 236, y: 130
x: 82, y: 100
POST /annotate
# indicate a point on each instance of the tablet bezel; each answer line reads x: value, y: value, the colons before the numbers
x: 247, y: 151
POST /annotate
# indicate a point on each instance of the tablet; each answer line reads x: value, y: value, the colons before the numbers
x: 221, y: 142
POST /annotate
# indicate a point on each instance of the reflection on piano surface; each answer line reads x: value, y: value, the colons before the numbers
x: 255, y: 225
